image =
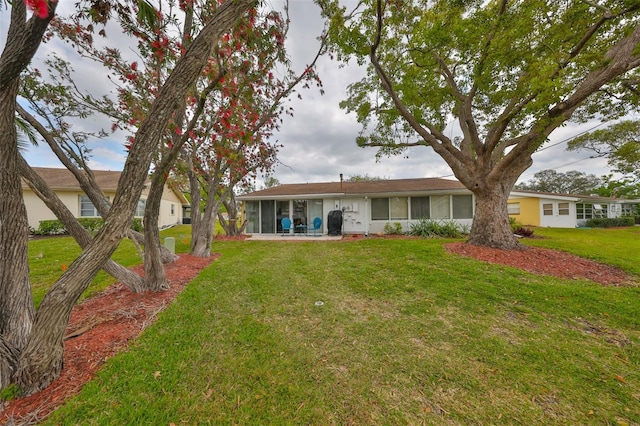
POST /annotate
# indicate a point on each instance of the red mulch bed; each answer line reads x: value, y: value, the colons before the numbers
x: 546, y: 262
x: 102, y: 326
x: 99, y: 328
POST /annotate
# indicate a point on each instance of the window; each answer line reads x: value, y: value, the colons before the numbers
x: 547, y: 209
x: 440, y: 207
x: 584, y: 211
x: 462, y: 206
x: 86, y: 207
x: 379, y: 209
x: 252, y: 215
x: 140, y: 208
x: 399, y: 208
x: 173, y: 209
x: 420, y: 208
x: 563, y: 209
x: 513, y: 208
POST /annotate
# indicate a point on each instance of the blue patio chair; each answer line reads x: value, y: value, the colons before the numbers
x: 317, y: 224
x: 286, y: 225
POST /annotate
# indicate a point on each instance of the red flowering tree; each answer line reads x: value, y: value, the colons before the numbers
x: 31, y: 342
x: 222, y: 126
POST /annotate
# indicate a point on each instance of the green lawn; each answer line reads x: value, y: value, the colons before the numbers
x: 380, y: 332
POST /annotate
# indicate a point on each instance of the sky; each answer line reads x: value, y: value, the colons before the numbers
x: 319, y: 140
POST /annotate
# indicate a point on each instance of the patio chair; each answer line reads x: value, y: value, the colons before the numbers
x: 286, y: 225
x: 317, y: 224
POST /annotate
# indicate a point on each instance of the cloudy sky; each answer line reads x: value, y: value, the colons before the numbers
x: 319, y: 140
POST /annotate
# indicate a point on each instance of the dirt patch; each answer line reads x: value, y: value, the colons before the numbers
x: 99, y: 328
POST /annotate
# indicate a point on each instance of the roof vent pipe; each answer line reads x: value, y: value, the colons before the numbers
x: 340, y: 181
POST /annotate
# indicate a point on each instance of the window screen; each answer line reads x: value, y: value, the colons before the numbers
x: 379, y: 209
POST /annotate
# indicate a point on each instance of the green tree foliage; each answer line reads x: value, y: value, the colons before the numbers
x: 619, y: 143
x: 501, y: 74
x: 362, y: 178
x: 573, y: 182
x: 621, y: 188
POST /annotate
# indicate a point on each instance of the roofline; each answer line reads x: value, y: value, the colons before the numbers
x: 545, y: 195
x: 352, y: 194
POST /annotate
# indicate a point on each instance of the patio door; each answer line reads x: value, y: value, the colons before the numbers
x: 315, y: 210
x: 282, y: 211
x: 268, y: 217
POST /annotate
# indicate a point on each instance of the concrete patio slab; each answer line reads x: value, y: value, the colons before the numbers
x: 296, y: 237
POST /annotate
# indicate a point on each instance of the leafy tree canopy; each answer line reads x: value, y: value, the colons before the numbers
x: 362, y: 178
x: 573, y: 182
x: 505, y: 74
x: 619, y: 143
x: 622, y: 188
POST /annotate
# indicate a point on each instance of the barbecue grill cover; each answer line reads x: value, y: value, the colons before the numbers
x: 334, y: 222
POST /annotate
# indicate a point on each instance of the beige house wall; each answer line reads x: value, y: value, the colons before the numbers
x: 170, y: 206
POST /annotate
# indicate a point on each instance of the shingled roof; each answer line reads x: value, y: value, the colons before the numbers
x: 61, y: 179
x: 358, y: 188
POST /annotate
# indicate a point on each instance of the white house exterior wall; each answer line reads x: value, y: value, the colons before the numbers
x: 556, y: 220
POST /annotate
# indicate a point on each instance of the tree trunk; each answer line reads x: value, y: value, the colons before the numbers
x: 231, y: 227
x: 16, y: 300
x: 203, y: 231
x: 491, y: 226
x: 40, y: 362
x: 154, y: 273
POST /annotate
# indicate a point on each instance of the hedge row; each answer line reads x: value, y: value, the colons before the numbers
x: 610, y: 222
x: 91, y: 224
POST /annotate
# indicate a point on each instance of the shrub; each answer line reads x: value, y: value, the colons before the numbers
x: 136, y: 225
x: 91, y: 224
x: 523, y: 232
x: 428, y: 228
x: 50, y: 227
x: 395, y: 229
x: 610, y: 222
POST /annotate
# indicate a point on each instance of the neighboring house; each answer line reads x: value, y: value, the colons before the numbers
x: 366, y: 206
x: 64, y: 184
x: 565, y: 211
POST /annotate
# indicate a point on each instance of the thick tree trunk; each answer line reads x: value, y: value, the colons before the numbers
x: 202, y: 236
x: 40, y: 362
x: 491, y: 226
x: 16, y: 301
